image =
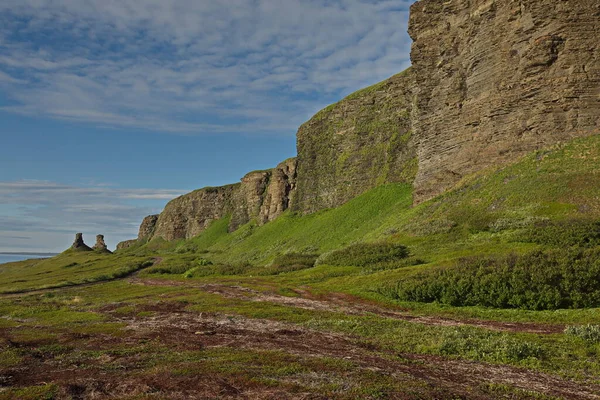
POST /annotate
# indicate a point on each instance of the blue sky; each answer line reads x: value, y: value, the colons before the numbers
x: 109, y: 108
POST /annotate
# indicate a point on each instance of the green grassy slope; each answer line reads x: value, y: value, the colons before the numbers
x: 483, y: 214
x: 67, y: 269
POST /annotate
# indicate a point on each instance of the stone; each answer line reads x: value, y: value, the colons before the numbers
x: 280, y: 193
x: 100, y: 245
x: 248, y: 198
x: 147, y: 227
x: 78, y: 244
x: 126, y: 244
x: 189, y: 215
x: 498, y: 79
x: 357, y: 144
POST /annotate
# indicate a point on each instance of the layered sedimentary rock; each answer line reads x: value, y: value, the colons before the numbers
x: 280, y: 192
x: 126, y: 244
x: 498, y: 78
x: 147, y: 227
x: 357, y: 144
x: 261, y: 196
x: 190, y: 214
x: 79, y: 244
x: 248, y: 198
x: 491, y: 80
x: 100, y: 245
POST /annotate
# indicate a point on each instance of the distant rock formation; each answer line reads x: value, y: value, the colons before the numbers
x: 79, y: 245
x: 100, y: 246
x: 147, y: 227
x: 126, y: 244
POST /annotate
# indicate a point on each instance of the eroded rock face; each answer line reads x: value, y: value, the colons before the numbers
x: 147, y: 227
x: 79, y: 244
x: 248, y: 198
x: 260, y: 196
x: 357, y: 144
x: 496, y: 79
x: 126, y: 244
x: 100, y: 244
x: 190, y: 214
x: 280, y: 191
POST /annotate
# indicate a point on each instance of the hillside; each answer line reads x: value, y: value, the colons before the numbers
x: 437, y: 236
x: 261, y: 311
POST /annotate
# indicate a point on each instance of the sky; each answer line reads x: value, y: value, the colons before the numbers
x: 110, y: 108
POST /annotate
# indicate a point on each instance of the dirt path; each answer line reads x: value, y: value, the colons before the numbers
x: 338, y: 302
x: 453, y: 376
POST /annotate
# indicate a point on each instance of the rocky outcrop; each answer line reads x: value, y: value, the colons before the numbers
x: 147, y: 227
x: 79, y: 244
x: 126, y: 244
x: 357, y: 144
x: 496, y: 79
x: 100, y: 245
x: 190, y: 214
x: 248, y: 198
x: 280, y: 192
x: 491, y: 80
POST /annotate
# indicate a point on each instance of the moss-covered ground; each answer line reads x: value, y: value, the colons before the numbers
x: 263, y: 313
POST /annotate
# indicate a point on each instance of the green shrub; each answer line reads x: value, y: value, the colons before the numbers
x: 290, y: 262
x: 589, y: 333
x: 175, y: 268
x: 219, y: 269
x: 564, y: 233
x: 465, y: 341
x: 384, y: 266
x: 536, y: 281
x: 363, y: 254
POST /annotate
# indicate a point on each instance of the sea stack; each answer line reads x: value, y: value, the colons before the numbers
x: 100, y: 245
x: 78, y: 244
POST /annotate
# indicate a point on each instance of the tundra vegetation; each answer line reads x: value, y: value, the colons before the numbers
x: 490, y: 290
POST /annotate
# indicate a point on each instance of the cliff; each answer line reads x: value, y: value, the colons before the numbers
x: 357, y: 144
x: 491, y: 80
x: 497, y: 79
x: 261, y: 196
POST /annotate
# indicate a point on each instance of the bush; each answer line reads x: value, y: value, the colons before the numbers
x: 176, y: 268
x: 290, y: 262
x: 219, y: 269
x: 489, y: 346
x: 564, y: 233
x: 364, y: 254
x: 536, y: 281
x: 589, y: 333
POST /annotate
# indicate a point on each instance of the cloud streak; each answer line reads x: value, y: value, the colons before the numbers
x: 50, y: 208
x: 193, y: 67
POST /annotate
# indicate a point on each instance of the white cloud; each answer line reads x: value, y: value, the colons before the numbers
x: 195, y: 66
x: 29, y: 209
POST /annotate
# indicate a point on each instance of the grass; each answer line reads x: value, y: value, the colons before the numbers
x: 67, y: 269
x: 528, y: 230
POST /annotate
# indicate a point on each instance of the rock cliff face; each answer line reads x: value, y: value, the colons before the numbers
x: 491, y: 80
x: 126, y: 244
x: 190, y: 214
x: 357, y: 144
x: 281, y: 191
x: 148, y: 227
x: 248, y: 198
x: 498, y: 78
x: 260, y: 196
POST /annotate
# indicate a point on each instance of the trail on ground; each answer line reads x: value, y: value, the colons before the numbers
x: 339, y: 302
